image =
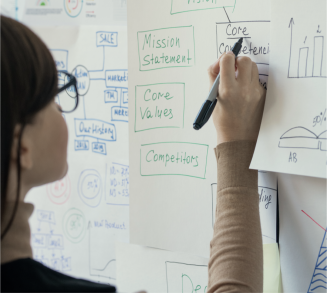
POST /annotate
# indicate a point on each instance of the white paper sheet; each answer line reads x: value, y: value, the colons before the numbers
x: 75, y: 12
x: 172, y: 165
x: 154, y: 270
x: 302, y: 208
x: 292, y: 137
x: 77, y: 219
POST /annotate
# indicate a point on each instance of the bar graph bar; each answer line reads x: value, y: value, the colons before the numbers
x: 318, y: 56
x: 303, y: 62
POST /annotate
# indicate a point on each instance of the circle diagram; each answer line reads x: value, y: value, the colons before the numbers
x: 89, y: 187
x: 73, y: 7
x: 59, y: 191
x: 74, y: 225
x: 83, y: 81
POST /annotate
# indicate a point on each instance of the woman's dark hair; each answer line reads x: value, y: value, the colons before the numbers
x: 28, y: 84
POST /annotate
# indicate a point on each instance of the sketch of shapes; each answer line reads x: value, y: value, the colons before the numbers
x: 59, y: 191
x: 56, y: 264
x: 46, y: 216
x: 108, y: 271
x: 90, y: 187
x: 323, y: 141
x: 182, y: 277
x: 83, y: 81
x: 319, y: 278
x: 101, y: 253
x: 306, y: 61
x: 74, y: 225
x: 299, y: 137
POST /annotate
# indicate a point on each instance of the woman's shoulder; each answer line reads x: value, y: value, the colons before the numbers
x: 30, y: 275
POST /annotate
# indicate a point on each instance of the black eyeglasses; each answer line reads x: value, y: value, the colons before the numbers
x: 67, y: 96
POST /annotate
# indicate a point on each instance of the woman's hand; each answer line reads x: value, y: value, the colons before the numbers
x: 241, y: 99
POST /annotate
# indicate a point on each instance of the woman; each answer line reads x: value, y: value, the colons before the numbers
x: 34, y: 152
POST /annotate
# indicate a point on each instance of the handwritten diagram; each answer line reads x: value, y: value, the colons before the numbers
x: 319, y: 277
x: 302, y: 138
x: 74, y: 225
x: 103, y: 232
x: 90, y: 205
x: 111, y: 187
x: 117, y: 192
x: 115, y: 95
x: 307, y: 45
x: 318, y: 281
x: 47, y: 246
x: 256, y: 42
x: 59, y: 191
x: 103, y: 266
x: 183, y: 277
x: 90, y: 187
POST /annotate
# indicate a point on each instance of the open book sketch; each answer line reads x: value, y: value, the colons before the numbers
x: 292, y: 137
x: 302, y: 138
x: 173, y: 166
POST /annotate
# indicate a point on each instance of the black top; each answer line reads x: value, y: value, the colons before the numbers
x: 28, y: 275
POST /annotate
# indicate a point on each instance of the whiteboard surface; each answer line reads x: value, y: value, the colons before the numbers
x: 78, y: 218
x: 173, y: 167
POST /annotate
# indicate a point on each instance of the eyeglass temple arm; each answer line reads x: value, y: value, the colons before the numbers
x: 69, y: 84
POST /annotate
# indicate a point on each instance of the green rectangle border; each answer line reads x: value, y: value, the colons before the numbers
x: 219, y: 7
x: 205, y: 171
x: 162, y: 126
x: 158, y: 29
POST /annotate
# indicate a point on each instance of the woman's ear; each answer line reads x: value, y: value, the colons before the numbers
x: 26, y: 161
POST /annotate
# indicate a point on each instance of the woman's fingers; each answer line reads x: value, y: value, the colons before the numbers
x: 238, y: 114
x: 244, y: 68
x: 255, y: 72
x: 227, y: 69
x: 214, y: 69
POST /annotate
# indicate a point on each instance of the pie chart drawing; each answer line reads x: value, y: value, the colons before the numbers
x: 90, y: 187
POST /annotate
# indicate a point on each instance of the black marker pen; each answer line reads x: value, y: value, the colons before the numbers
x: 209, y: 105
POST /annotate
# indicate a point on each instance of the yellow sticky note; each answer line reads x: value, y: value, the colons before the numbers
x: 271, y: 268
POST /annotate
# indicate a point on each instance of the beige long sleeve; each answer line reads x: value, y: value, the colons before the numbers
x: 236, y: 255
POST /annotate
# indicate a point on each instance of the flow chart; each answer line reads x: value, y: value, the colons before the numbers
x: 94, y: 134
x: 48, y: 247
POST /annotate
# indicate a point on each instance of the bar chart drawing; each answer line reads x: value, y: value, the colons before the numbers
x: 318, y: 56
x: 306, y: 55
x: 303, y: 62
